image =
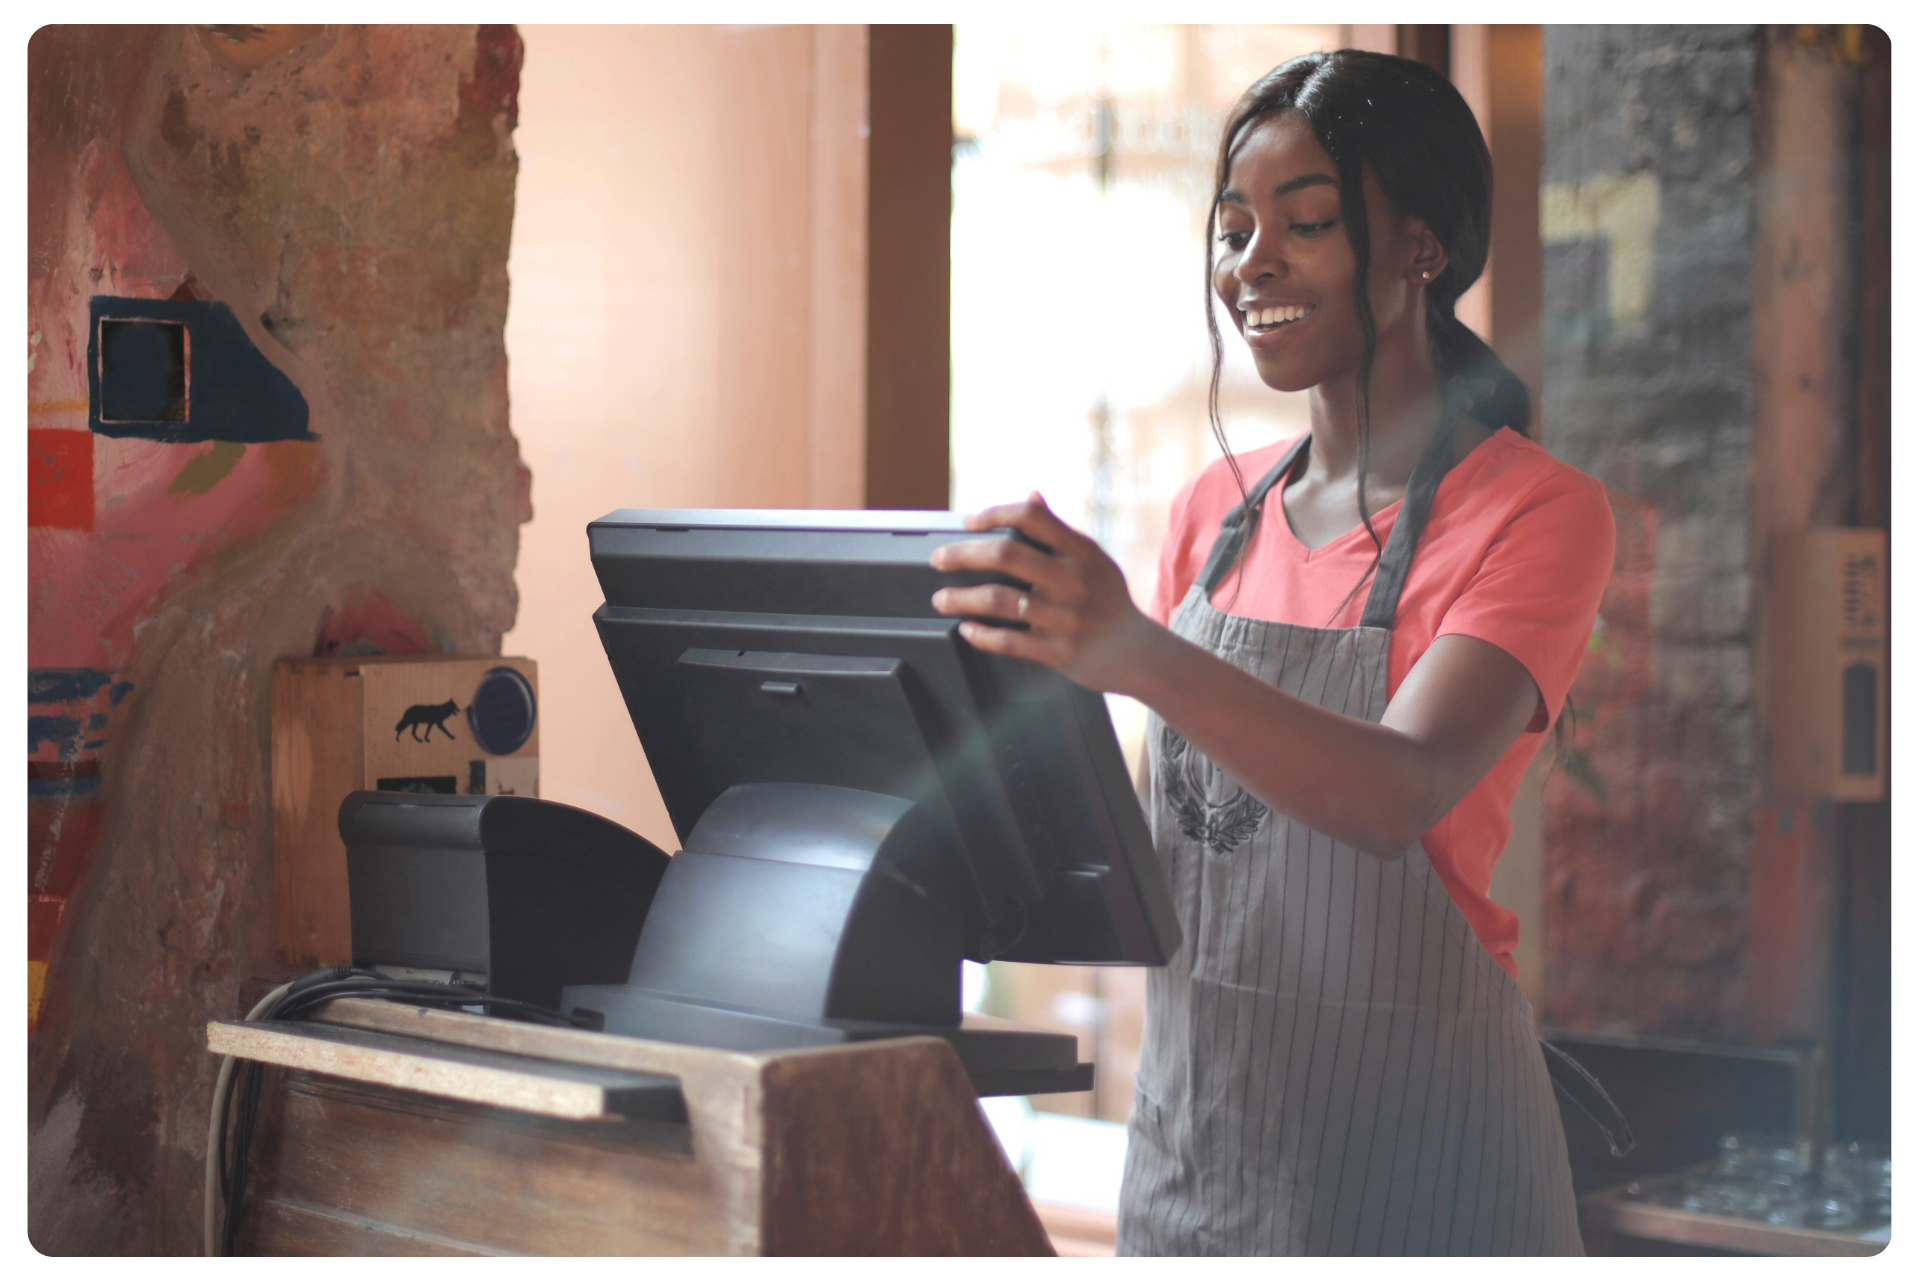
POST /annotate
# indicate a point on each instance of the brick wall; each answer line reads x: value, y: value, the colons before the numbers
x: 1648, y: 218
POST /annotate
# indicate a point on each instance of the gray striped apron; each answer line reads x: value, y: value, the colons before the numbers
x: 1332, y: 1064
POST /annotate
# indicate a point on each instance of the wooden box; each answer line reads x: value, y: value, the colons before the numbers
x: 1829, y: 664
x: 391, y: 723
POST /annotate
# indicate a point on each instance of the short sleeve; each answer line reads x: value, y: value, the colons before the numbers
x: 1538, y: 588
x: 1176, y: 569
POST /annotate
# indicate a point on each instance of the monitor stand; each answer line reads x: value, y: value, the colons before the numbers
x: 798, y: 915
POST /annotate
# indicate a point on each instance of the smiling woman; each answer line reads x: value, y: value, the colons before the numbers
x: 1346, y: 684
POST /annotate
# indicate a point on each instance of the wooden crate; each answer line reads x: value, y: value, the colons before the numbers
x: 344, y: 724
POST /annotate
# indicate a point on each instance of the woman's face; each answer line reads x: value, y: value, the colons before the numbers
x: 1285, y: 268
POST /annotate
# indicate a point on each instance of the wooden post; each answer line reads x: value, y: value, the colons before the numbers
x: 909, y: 219
x: 1806, y: 313
x: 1498, y: 69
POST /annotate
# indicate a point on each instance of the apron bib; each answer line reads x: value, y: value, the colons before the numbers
x: 1332, y: 1064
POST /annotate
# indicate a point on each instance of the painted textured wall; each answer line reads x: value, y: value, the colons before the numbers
x: 347, y: 194
x: 1648, y: 211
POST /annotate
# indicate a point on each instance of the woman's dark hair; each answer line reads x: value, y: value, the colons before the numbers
x: 1406, y: 122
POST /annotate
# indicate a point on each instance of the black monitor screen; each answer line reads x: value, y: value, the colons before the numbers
x: 802, y: 647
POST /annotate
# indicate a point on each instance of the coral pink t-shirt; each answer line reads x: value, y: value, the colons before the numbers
x: 1517, y: 550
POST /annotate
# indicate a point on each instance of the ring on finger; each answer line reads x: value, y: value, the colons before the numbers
x: 1020, y: 611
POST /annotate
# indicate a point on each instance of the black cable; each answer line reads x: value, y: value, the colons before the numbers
x: 240, y: 1111
x: 443, y: 994
x: 249, y: 1092
x: 220, y: 1143
x: 234, y: 1167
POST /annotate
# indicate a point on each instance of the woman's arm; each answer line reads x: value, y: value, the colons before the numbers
x: 1375, y: 787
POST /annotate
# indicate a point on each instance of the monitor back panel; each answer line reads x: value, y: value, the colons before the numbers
x: 749, y: 651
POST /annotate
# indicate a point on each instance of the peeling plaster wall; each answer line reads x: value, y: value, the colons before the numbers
x: 348, y: 192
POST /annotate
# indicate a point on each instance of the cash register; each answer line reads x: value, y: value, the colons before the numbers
x: 863, y: 801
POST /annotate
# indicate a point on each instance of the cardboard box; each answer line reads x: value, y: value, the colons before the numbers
x: 425, y: 723
x: 1829, y: 665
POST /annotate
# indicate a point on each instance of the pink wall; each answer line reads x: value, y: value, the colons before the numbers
x: 686, y: 327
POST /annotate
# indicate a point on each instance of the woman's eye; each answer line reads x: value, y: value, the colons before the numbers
x: 1235, y: 239
x: 1314, y: 228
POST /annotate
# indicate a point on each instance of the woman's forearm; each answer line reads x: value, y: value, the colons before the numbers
x: 1376, y: 787
x: 1366, y: 785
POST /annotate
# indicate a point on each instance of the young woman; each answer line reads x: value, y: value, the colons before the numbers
x: 1350, y: 665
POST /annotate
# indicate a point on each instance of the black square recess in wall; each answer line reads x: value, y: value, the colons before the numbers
x: 143, y: 371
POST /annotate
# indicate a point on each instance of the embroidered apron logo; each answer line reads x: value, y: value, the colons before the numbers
x: 1190, y: 781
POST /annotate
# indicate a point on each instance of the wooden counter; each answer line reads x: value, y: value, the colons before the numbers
x: 387, y: 1129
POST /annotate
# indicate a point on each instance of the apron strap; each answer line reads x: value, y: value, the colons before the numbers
x: 1390, y: 573
x: 1390, y: 576
x: 1237, y: 526
x: 1590, y: 1097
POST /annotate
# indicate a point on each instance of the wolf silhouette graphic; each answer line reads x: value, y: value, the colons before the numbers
x: 431, y: 716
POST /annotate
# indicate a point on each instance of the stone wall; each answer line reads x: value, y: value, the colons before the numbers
x: 1648, y: 214
x: 347, y: 193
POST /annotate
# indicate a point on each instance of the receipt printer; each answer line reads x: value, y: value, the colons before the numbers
x: 522, y: 895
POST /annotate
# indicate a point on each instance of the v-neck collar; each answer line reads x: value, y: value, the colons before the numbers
x: 1290, y: 542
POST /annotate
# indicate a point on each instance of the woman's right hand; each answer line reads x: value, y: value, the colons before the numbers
x: 1080, y: 618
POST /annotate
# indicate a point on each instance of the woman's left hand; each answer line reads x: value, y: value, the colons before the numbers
x: 1079, y: 616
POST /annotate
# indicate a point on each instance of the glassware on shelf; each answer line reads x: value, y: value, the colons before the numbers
x: 1773, y: 1178
x: 1856, y: 1185
x: 1764, y: 1176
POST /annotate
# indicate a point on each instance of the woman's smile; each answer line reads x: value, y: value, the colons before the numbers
x: 1266, y: 326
